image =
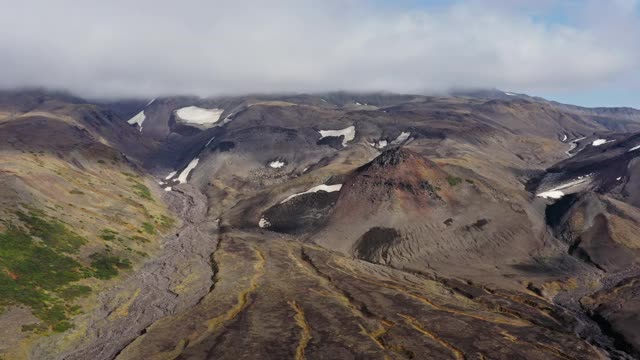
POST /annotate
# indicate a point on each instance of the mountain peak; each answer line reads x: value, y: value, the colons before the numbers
x: 397, y: 157
x: 393, y: 157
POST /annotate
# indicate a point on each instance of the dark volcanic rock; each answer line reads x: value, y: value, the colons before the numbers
x: 374, y: 245
x: 224, y: 146
x: 302, y: 214
x: 333, y: 141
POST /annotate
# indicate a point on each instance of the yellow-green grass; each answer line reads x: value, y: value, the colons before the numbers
x: 70, y: 228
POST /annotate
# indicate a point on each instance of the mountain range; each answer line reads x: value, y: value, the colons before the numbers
x: 477, y: 225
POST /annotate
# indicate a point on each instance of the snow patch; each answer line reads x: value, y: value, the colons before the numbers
x: 634, y: 148
x: 574, y: 144
x: 619, y: 178
x: 209, y: 142
x: 349, y: 134
x: 401, y: 138
x: 557, y: 193
x: 168, y: 188
x: 564, y: 138
x: 138, y: 119
x: 327, y: 188
x: 552, y: 194
x: 600, y: 142
x: 276, y: 164
x: 151, y: 102
x: 510, y: 94
x: 171, y: 174
x: 263, y: 223
x: 200, y: 116
x: 185, y: 173
x: 380, y: 144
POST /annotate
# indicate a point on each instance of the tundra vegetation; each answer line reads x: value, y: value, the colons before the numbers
x: 41, y: 267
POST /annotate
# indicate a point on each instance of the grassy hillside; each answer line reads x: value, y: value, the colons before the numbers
x: 68, y: 226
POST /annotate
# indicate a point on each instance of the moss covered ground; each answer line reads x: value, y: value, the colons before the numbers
x: 38, y: 269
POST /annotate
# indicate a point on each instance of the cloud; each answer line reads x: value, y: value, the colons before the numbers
x: 148, y: 48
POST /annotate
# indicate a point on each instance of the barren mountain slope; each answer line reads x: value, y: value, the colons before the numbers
x: 75, y: 214
x: 323, y: 226
x: 597, y: 216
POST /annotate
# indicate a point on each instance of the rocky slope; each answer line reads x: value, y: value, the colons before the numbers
x: 76, y: 214
x: 406, y: 211
x: 596, y: 214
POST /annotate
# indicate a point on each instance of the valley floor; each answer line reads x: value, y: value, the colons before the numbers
x: 229, y: 294
x: 174, y: 280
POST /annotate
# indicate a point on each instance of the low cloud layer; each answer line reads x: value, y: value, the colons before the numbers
x: 149, y: 48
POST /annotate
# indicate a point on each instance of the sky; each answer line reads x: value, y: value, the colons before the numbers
x: 584, y: 52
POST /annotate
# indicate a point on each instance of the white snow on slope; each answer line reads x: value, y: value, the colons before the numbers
x: 276, y: 164
x: 138, y: 119
x: 200, y: 116
x: 510, y: 94
x: 634, y: 148
x: 168, y: 188
x: 619, y: 178
x: 263, y: 223
x: 209, y: 142
x: 557, y: 193
x: 185, y: 173
x: 401, y: 138
x: 600, y: 142
x: 380, y: 144
x: 564, y: 138
x: 574, y: 144
x: 349, y: 134
x: 551, y: 194
x: 151, y: 102
x: 327, y: 188
x: 171, y: 174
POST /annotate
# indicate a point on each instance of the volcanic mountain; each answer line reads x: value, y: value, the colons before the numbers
x: 483, y: 225
x: 406, y: 211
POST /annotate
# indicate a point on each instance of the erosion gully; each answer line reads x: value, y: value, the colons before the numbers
x: 175, y: 279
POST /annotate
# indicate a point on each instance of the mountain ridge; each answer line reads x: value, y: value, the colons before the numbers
x: 338, y: 225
